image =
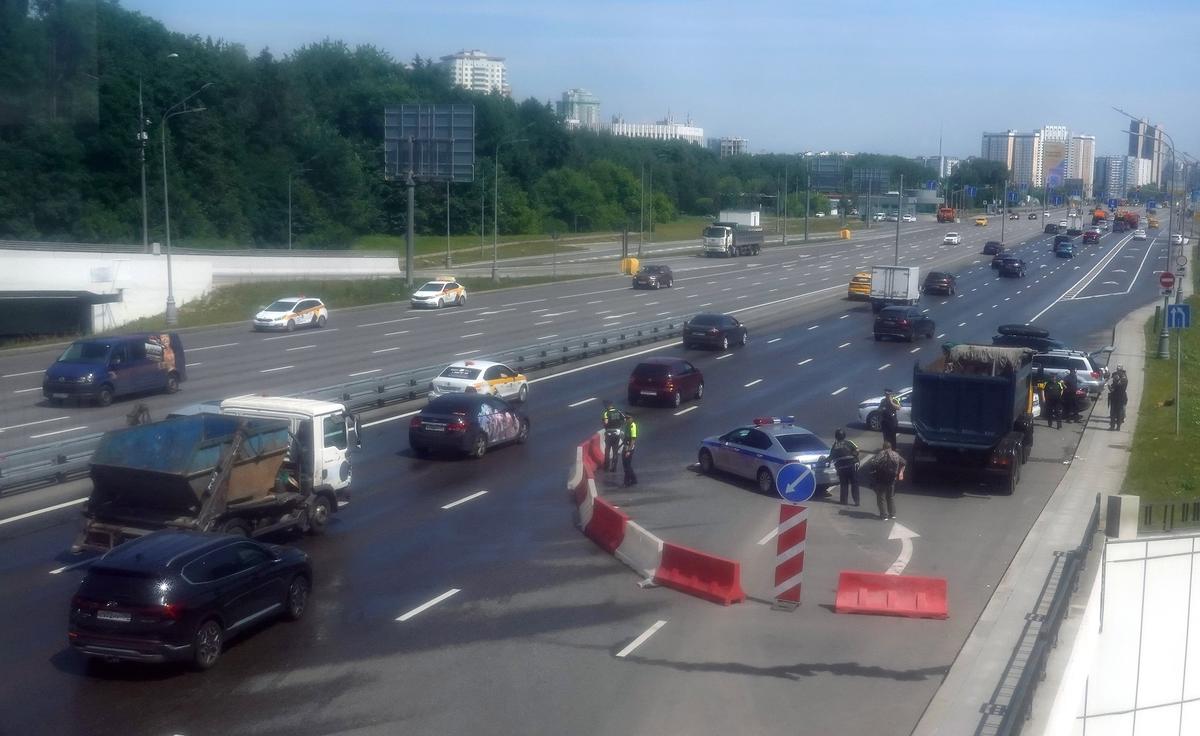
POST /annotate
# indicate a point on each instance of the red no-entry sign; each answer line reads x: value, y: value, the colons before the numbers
x: 1166, y: 280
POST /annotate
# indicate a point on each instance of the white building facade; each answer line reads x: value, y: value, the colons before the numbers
x: 579, y: 108
x: 478, y: 72
x: 1081, y: 161
x: 663, y: 130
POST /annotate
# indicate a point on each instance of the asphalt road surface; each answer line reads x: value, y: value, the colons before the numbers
x: 528, y: 642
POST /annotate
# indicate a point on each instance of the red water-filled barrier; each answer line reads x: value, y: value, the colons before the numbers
x: 700, y: 574
x: 891, y: 595
x: 607, y: 526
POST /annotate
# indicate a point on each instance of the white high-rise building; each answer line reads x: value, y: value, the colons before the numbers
x: 477, y: 71
x: 727, y: 146
x: 579, y: 108
x: 1081, y: 161
x: 1119, y: 175
x: 1148, y: 144
x: 1026, y: 166
x: 998, y: 147
x: 663, y: 130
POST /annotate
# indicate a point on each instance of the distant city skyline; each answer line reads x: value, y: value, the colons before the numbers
x: 869, y: 77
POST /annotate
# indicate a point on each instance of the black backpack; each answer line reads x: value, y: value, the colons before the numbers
x: 885, y: 468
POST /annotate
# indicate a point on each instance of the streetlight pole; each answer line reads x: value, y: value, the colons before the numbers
x: 1003, y: 214
x: 899, y: 217
x: 496, y: 205
x: 785, y: 203
x: 179, y: 108
x: 807, y: 196
x: 142, y: 138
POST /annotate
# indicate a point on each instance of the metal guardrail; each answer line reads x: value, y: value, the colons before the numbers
x: 27, y: 469
x: 1020, y: 704
x: 1165, y: 517
x: 185, y: 251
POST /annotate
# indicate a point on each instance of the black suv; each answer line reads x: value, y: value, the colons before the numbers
x: 992, y: 247
x: 179, y: 595
x: 653, y: 277
x: 904, y: 322
x: 940, y: 282
x: 1025, y: 336
x: 1011, y: 266
x: 1051, y: 229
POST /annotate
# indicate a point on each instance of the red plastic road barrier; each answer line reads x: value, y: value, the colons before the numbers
x: 595, y: 448
x: 607, y: 525
x: 789, y: 553
x: 891, y: 595
x: 703, y: 575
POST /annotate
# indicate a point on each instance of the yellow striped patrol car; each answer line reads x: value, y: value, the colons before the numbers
x: 290, y: 313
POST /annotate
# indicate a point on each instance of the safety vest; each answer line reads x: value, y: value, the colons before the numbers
x: 613, y: 418
x: 631, y: 430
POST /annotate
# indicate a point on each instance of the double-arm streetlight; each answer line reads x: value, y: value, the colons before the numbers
x: 179, y: 108
x: 496, y: 199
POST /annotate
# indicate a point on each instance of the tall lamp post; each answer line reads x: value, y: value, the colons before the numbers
x: 496, y: 203
x: 179, y: 108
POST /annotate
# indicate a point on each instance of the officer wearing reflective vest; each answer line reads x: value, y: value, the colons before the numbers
x: 613, y: 421
x: 630, y: 438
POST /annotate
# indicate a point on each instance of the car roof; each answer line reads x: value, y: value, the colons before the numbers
x: 436, y: 403
x: 938, y: 274
x: 295, y: 298
x: 777, y: 429
x: 661, y: 360
x: 481, y: 364
x: 163, y: 549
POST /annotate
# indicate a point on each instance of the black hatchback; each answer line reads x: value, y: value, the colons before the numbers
x: 467, y: 423
x: 940, y: 282
x: 176, y: 595
x: 1011, y: 266
x: 714, y: 331
x: 904, y: 322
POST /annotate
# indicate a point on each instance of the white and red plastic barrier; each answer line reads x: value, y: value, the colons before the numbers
x: 671, y: 565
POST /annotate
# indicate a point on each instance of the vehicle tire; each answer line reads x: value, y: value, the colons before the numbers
x: 319, y: 512
x: 676, y: 399
x: 875, y: 422
x: 952, y: 292
x: 462, y: 300
x: 745, y: 338
x: 687, y: 345
x: 912, y: 336
x: 523, y: 394
x: 1014, y: 477
x: 523, y: 432
x: 291, y: 325
x: 321, y: 321
x: 632, y: 399
x: 766, y: 481
x: 724, y: 342
x: 105, y: 397
x: 207, y: 643
x: 236, y: 527
x: 296, y: 601
x: 706, y: 462
x: 441, y: 303
x: 172, y: 382
x: 700, y: 392
x: 478, y: 445
x: 671, y: 283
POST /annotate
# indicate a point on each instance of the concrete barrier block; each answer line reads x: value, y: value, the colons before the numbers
x: 1121, y: 517
x: 640, y: 549
x: 588, y: 503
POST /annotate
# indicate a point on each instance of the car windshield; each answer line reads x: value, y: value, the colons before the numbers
x: 652, y: 370
x: 706, y: 320
x: 714, y: 232
x: 86, y: 352
x: 283, y: 305
x: 801, y: 442
x: 432, y: 286
x: 452, y: 405
x: 461, y: 372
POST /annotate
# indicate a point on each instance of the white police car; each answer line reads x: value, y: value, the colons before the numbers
x: 482, y: 377
x: 759, y: 450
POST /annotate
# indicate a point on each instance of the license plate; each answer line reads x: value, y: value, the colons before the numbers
x: 58, y: 396
x: 649, y: 393
x: 435, y: 427
x: 119, y: 616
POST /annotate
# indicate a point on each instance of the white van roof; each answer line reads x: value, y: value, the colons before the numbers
x: 277, y: 405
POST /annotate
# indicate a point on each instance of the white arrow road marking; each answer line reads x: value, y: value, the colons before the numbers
x: 905, y: 535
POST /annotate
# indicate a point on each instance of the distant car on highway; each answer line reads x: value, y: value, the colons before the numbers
x: 1014, y: 216
x: 818, y: 214
x: 893, y: 218
x: 1091, y: 237
x: 1063, y: 225
x: 906, y: 323
x: 909, y: 217
x: 714, y: 331
x: 653, y: 277
x: 438, y: 294
x: 952, y: 239
x: 1064, y: 238
x: 1059, y: 363
x: 998, y: 259
x: 758, y: 451
x: 1139, y: 234
x: 181, y: 595
x: 981, y: 221
x: 1064, y: 250
x: 859, y: 286
x: 664, y: 379
x: 878, y: 217
x: 992, y: 247
x: 1051, y: 229
x: 1046, y: 214
x: 1032, y: 216
x: 940, y: 282
x: 290, y: 313
x: 466, y: 423
x: 480, y: 377
x: 1011, y: 266
x: 1176, y: 239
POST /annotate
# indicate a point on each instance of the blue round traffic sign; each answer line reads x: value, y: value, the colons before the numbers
x: 795, y: 482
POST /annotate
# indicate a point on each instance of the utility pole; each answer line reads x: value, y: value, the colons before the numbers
x: 642, y: 212
x: 410, y: 182
x: 1003, y: 214
x: 447, y: 223
x: 807, y: 197
x: 785, y: 206
x: 651, y: 178
x: 899, y: 217
x: 142, y: 138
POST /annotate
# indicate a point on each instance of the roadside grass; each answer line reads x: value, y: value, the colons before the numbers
x: 512, y: 250
x: 239, y: 302
x: 1164, y: 466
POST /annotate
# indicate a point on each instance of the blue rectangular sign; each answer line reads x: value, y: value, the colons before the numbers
x: 1179, y: 316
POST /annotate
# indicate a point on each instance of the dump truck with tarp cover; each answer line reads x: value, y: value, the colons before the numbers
x: 972, y: 410
x: 207, y: 472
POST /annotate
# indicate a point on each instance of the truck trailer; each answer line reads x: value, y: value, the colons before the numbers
x: 735, y: 233
x: 972, y: 411
x: 946, y: 214
x: 894, y: 286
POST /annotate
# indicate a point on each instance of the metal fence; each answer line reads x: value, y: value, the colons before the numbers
x: 22, y: 470
x: 1020, y: 704
x: 1165, y: 517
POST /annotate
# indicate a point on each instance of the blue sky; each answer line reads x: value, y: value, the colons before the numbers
x: 790, y: 76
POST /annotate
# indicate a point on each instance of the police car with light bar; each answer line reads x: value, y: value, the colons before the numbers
x: 758, y: 451
x: 482, y: 377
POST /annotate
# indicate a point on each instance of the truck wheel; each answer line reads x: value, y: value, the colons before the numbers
x: 766, y: 481
x: 706, y: 462
x: 207, y: 643
x: 236, y: 527
x: 296, y: 602
x: 105, y: 397
x: 1014, y: 477
x: 319, y: 512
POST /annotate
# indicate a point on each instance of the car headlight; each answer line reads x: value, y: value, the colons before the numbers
x: 88, y: 378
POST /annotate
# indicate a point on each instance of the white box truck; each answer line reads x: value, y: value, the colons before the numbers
x: 894, y: 285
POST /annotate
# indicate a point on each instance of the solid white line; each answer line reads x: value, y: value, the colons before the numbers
x: 46, y: 510
x: 835, y: 393
x: 843, y: 345
x: 60, y: 431
x: 755, y: 382
x: 470, y: 334
x: 387, y: 322
x: 773, y: 340
x: 280, y: 368
x: 302, y: 347
x: 723, y: 357
x: 31, y: 373
x: 205, y: 347
x: 386, y: 350
x: 30, y: 424
x: 806, y: 360
x: 581, y: 403
x: 681, y: 412
x: 547, y: 337
x: 641, y: 639
x: 397, y: 332
x: 428, y: 604
x: 72, y: 566
x: 39, y: 388
x: 463, y: 500
x: 885, y: 366
x: 468, y: 352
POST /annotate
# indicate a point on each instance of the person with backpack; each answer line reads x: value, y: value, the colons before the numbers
x: 1118, y: 397
x: 613, y: 421
x: 844, y: 456
x: 884, y: 469
x: 1053, y: 401
x: 889, y: 419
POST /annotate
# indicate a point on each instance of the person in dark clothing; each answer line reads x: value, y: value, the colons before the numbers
x: 627, y: 448
x: 844, y: 456
x: 1052, y: 404
x: 1070, y: 397
x: 889, y: 421
x: 613, y: 421
x: 884, y: 469
x: 1118, y: 397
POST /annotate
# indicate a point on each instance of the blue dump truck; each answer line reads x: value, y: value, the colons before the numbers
x: 207, y: 472
x: 972, y: 411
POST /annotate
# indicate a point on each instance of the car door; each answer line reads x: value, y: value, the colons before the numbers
x: 507, y: 382
x: 727, y: 455
x: 127, y: 372
x: 265, y: 587
x: 734, y: 329
x: 758, y: 446
x: 494, y: 381
x: 690, y: 378
x: 489, y: 423
x: 904, y: 415
x: 507, y: 421
x: 230, y: 582
x: 334, y: 450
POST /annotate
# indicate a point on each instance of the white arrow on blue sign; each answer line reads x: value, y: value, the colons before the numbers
x: 1179, y: 316
x: 796, y: 482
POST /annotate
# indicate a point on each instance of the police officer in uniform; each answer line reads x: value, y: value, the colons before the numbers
x: 844, y: 455
x: 613, y: 421
x: 630, y: 444
x: 889, y: 421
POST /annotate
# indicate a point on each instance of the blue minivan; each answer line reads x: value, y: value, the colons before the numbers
x: 102, y: 368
